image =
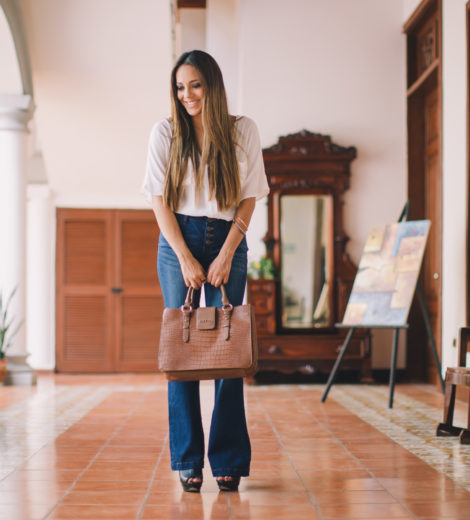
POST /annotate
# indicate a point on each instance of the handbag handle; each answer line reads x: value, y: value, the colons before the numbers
x: 187, y: 308
x: 188, y: 302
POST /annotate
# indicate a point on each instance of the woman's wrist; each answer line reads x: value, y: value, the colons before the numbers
x: 226, y: 253
x: 238, y: 227
x: 240, y: 224
x: 184, y: 255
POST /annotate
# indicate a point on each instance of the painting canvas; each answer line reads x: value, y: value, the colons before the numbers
x: 387, y: 275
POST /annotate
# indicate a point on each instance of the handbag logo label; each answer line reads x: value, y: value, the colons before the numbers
x: 206, y: 318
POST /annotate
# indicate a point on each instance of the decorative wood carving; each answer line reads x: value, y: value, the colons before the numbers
x: 423, y: 44
x: 427, y: 46
x: 308, y: 143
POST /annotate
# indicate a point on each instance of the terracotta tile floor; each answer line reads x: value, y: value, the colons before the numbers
x: 96, y: 447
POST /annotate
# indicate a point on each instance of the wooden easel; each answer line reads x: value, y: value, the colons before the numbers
x: 427, y: 322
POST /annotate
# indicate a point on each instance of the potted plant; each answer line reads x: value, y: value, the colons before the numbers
x: 263, y: 269
x: 8, y: 330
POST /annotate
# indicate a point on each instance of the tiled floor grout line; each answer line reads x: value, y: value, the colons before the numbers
x: 383, y: 420
x: 364, y: 467
x: 152, y: 478
x: 229, y: 507
x: 338, y: 441
x: 279, y: 439
x: 105, y: 445
x: 68, y: 416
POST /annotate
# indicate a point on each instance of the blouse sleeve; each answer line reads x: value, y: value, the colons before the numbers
x: 254, y: 183
x: 157, y: 158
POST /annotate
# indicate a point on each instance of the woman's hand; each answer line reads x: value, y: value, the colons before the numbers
x: 219, y: 270
x: 193, y: 273
x: 191, y: 269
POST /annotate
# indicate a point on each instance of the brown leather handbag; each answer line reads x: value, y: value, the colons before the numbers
x: 208, y: 342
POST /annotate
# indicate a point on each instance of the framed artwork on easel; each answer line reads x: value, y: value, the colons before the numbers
x: 386, y: 279
x: 384, y: 287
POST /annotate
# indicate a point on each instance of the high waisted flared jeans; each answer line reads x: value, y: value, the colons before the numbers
x: 229, y: 450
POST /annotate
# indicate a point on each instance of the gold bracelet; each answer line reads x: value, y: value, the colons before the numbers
x: 242, y: 221
x: 241, y: 224
x: 238, y: 227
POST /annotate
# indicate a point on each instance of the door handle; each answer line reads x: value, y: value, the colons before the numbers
x: 116, y: 290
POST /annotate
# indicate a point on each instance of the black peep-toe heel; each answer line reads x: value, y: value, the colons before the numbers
x: 191, y: 487
x: 229, y: 485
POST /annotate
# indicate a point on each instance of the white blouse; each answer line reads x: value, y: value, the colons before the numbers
x: 253, y: 180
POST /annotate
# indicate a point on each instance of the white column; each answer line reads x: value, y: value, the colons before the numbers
x: 15, y: 113
x: 40, y: 274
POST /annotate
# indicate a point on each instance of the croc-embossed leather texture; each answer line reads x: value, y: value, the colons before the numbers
x: 209, y: 342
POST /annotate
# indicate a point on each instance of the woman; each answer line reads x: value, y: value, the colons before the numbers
x: 204, y: 174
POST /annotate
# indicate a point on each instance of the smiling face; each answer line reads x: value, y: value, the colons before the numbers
x: 190, y: 89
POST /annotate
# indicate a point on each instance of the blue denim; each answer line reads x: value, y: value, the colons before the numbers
x: 229, y: 449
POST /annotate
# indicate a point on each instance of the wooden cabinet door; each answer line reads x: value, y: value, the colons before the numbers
x: 424, y: 102
x: 84, y: 325
x: 432, y: 265
x: 138, y: 308
x: 108, y: 300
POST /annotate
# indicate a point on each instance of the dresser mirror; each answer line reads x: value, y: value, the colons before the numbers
x: 297, y: 311
x: 306, y: 267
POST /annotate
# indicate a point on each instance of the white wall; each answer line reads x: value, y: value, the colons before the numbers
x: 408, y: 8
x: 454, y: 164
x: 336, y: 68
x: 222, y: 41
x: 101, y: 72
x: 192, y: 29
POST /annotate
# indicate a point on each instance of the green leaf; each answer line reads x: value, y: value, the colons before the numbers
x: 15, y: 331
x: 10, y: 298
x: 6, y: 334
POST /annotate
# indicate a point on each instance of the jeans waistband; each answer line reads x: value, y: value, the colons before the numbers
x: 188, y: 218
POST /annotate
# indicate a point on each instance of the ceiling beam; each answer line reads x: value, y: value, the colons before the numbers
x: 191, y: 3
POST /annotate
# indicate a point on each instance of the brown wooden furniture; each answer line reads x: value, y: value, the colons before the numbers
x: 108, y: 300
x: 457, y: 376
x: 295, y: 314
x: 424, y: 109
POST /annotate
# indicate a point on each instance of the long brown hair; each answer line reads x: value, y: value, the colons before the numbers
x: 218, y: 147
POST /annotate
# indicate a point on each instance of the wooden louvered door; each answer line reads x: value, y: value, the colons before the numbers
x: 84, y: 324
x: 138, y: 308
x: 108, y: 301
